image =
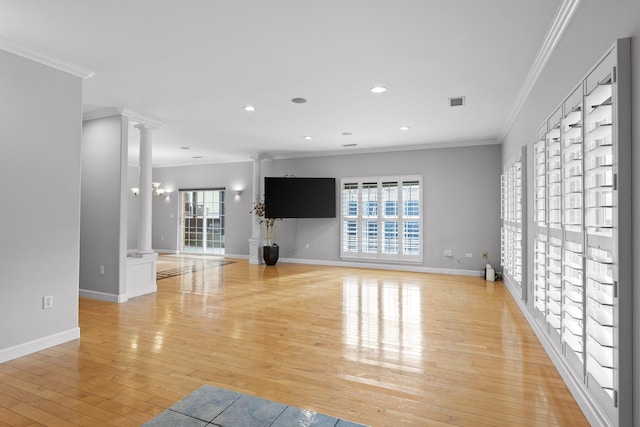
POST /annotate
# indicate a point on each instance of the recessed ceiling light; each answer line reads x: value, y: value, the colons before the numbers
x: 185, y: 148
x: 378, y: 89
x: 249, y: 108
x: 403, y: 128
x: 298, y: 100
x: 349, y: 145
x: 347, y: 133
x: 308, y: 138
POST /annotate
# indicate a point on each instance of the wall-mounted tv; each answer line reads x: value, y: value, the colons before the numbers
x: 291, y: 197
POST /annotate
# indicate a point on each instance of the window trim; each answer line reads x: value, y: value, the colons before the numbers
x: 381, y: 218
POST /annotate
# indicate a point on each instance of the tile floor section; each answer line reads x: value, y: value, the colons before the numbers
x: 217, y: 407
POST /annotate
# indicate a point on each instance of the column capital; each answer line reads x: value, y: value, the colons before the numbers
x: 139, y: 119
x: 260, y: 156
x: 145, y: 129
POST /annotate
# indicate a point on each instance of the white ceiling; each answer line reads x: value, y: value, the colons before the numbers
x: 194, y: 64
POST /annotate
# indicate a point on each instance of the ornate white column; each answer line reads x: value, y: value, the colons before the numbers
x: 145, y: 193
x: 255, y: 242
x: 141, y: 266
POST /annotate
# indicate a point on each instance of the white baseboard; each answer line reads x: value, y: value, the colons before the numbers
x: 226, y: 255
x: 238, y: 256
x: 38, y: 344
x: 102, y: 296
x: 166, y: 251
x: 594, y: 415
x: 84, y: 293
x: 150, y: 289
x: 382, y: 266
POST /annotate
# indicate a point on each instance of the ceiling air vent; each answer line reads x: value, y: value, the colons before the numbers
x: 456, y: 102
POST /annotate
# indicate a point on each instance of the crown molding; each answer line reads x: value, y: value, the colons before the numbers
x: 101, y: 113
x: 133, y: 116
x: 558, y: 26
x: 202, y: 163
x: 348, y: 151
x: 345, y: 152
x: 140, y: 119
x: 59, y: 64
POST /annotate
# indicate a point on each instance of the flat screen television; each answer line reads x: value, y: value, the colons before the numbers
x: 299, y: 197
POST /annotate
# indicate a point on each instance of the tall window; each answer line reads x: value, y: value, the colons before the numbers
x: 381, y: 218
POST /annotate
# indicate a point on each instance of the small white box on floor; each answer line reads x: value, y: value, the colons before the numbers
x: 490, y: 273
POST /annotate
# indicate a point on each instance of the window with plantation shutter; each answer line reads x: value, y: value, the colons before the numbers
x: 381, y: 218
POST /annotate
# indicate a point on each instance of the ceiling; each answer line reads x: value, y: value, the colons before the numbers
x: 193, y: 65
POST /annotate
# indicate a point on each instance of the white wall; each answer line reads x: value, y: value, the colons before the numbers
x: 103, y: 237
x: 40, y: 119
x: 593, y: 30
x: 461, y: 210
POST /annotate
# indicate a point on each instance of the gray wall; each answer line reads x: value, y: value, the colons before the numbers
x: 592, y: 31
x: 461, y: 209
x: 166, y: 211
x: 40, y: 117
x: 103, y: 223
x: 133, y: 207
x: 461, y: 202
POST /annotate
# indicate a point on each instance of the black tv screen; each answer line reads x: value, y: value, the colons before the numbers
x: 300, y: 197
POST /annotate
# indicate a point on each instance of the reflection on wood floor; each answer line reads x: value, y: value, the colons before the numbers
x: 383, y: 348
x: 176, y: 265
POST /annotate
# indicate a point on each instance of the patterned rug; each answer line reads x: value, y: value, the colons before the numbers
x: 213, y: 406
x: 189, y: 265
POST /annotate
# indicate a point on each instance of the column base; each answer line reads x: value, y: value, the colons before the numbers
x: 141, y: 274
x: 255, y: 251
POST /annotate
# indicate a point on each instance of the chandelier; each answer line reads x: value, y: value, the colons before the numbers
x: 156, y: 190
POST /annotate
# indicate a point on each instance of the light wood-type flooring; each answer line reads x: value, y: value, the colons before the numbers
x: 382, y: 348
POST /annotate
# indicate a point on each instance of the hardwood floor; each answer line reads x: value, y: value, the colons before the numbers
x: 383, y: 348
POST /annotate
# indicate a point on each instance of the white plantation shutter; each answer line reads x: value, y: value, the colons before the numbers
x: 381, y: 218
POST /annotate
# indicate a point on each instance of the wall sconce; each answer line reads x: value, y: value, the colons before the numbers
x: 156, y: 190
x: 236, y: 193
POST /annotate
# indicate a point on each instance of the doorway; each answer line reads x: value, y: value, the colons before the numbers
x: 202, y: 222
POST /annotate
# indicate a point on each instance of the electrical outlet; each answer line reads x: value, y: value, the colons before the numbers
x: 102, y: 270
x: 485, y: 254
x: 47, y: 302
x: 468, y: 255
x: 448, y: 252
x: 306, y: 246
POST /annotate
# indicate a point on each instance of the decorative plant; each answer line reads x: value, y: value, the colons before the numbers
x: 259, y: 211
